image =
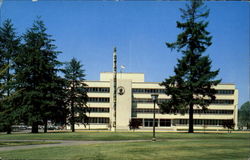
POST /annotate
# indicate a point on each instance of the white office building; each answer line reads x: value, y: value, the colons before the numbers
x: 133, y: 101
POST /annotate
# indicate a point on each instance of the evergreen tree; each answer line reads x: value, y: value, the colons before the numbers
x: 56, y: 109
x: 244, y: 114
x: 76, y: 93
x: 193, y: 82
x: 36, y: 78
x: 9, y: 47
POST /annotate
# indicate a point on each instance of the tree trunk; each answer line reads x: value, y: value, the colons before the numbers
x: 73, y: 127
x: 8, y: 92
x: 191, y: 120
x: 45, y: 121
x: 34, y: 127
x: 72, y: 118
x: 9, y: 129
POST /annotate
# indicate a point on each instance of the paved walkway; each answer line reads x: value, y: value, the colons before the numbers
x: 60, y: 143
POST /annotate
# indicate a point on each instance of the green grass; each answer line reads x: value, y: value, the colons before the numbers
x: 20, y: 143
x: 176, y: 146
x: 111, y: 136
x: 193, y: 149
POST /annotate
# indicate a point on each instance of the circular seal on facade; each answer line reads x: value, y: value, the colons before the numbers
x: 121, y: 90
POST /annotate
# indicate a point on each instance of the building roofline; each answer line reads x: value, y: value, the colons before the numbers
x: 226, y: 84
x: 152, y: 82
x: 161, y: 82
x: 95, y: 81
x: 125, y: 72
x: 148, y: 82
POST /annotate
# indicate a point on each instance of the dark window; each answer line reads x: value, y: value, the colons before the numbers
x: 98, y: 89
x: 183, y: 121
x: 147, y: 100
x: 223, y: 101
x: 147, y: 90
x: 162, y: 91
x: 98, y: 99
x: 201, y: 122
x: 165, y: 122
x: 196, y: 111
x: 99, y: 110
x: 149, y: 122
x: 97, y: 120
x: 221, y: 91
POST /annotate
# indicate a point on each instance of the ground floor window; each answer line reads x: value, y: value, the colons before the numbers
x: 213, y: 122
x: 149, y: 123
x: 165, y: 122
x: 98, y: 120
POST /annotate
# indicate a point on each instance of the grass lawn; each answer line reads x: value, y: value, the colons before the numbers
x: 165, y: 149
x: 176, y: 146
x: 19, y: 143
x: 112, y: 136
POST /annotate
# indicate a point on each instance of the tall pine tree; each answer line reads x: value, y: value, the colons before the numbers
x: 76, y: 93
x: 9, y: 47
x: 36, y: 78
x: 193, y: 82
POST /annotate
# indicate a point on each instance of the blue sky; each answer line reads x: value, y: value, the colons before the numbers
x: 139, y: 29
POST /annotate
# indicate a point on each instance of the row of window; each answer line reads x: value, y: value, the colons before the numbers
x: 98, y: 120
x: 98, y: 89
x: 201, y: 121
x: 224, y: 91
x: 167, y: 122
x: 198, y: 111
x: 98, y: 99
x: 162, y: 91
x: 99, y: 110
x: 164, y: 122
x: 147, y: 90
x: 158, y: 122
x: 148, y: 100
x: 223, y: 101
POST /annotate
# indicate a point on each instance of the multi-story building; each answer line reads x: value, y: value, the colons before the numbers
x: 134, y: 102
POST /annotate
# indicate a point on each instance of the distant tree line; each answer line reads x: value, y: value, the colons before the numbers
x: 31, y: 88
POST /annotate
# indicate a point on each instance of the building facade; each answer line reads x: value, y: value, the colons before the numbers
x: 134, y: 102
